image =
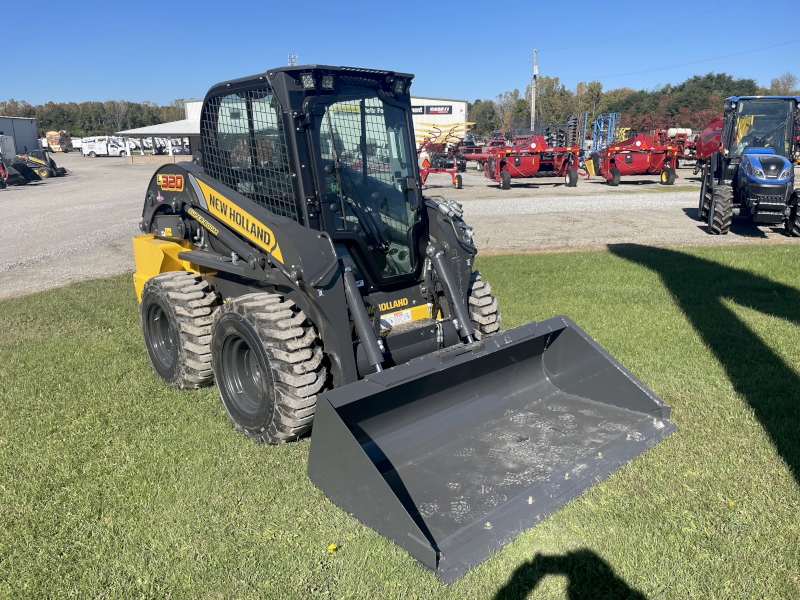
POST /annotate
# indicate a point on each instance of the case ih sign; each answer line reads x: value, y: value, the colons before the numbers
x: 438, y: 109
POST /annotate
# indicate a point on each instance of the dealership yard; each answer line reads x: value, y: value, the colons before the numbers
x: 79, y: 227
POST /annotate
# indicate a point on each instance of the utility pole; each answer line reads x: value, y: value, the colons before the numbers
x: 533, y: 88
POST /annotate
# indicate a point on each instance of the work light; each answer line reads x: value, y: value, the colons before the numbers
x: 307, y: 80
x: 327, y: 82
x: 399, y: 86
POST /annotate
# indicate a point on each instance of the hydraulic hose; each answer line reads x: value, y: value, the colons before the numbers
x: 465, y: 328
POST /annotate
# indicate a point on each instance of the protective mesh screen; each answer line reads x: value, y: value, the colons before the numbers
x: 244, y: 147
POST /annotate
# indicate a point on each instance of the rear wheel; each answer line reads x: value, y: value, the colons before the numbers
x: 457, y: 182
x: 571, y: 178
x: 615, y: 176
x: 267, y: 366
x: 505, y: 180
x: 720, y: 213
x: 176, y: 313
x: 668, y: 176
x: 482, y: 305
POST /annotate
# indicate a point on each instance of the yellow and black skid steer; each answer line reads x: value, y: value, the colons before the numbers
x: 296, y: 264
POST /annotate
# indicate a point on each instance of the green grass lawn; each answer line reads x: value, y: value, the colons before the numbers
x: 114, y: 485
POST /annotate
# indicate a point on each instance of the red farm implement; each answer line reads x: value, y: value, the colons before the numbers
x: 439, y: 152
x: 639, y: 155
x: 531, y: 156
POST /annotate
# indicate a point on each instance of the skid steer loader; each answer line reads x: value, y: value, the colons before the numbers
x: 296, y: 263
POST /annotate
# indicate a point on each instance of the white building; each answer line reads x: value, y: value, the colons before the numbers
x: 439, y: 111
x: 18, y: 135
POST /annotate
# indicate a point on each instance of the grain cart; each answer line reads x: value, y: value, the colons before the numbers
x: 312, y: 287
x: 637, y: 155
x: 746, y: 159
x: 532, y: 156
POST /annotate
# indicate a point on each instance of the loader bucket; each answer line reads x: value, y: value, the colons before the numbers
x: 452, y: 454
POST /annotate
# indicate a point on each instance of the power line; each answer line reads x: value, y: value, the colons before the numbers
x: 627, y: 35
x: 597, y: 77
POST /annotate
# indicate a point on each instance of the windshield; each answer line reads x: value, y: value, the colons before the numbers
x: 763, y: 124
x: 365, y: 151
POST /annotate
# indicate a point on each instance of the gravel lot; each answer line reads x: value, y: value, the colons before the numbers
x: 80, y: 226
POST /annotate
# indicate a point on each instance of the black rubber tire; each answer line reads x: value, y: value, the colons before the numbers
x: 505, y: 180
x: 721, y: 210
x: 46, y: 174
x: 615, y: 176
x: 176, y: 313
x: 480, y: 165
x: 668, y: 176
x: 792, y: 223
x: 458, y: 182
x: 482, y: 306
x: 596, y: 163
x: 571, y: 178
x: 268, y: 367
x: 92, y: 155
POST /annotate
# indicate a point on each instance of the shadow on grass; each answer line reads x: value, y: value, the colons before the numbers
x: 589, y: 577
x: 762, y: 377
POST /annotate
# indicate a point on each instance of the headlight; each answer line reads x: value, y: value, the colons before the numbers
x: 758, y: 173
x: 786, y: 173
x: 307, y: 80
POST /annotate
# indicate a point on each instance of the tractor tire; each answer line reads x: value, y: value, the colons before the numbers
x: 596, y: 163
x: 720, y: 212
x: 176, y: 313
x: 268, y: 366
x: 615, y: 177
x: 505, y: 180
x: 668, y: 176
x: 571, y: 178
x: 457, y: 182
x: 705, y: 201
x: 792, y: 223
x: 482, y: 306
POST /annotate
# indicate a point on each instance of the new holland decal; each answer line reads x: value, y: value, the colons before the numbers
x: 170, y: 182
x: 241, y: 221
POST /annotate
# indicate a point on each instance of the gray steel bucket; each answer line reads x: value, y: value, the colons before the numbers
x: 452, y: 454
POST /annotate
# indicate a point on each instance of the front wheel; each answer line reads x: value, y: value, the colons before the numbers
x: 483, y: 312
x: 668, y: 176
x: 92, y: 155
x: 571, y: 178
x: 505, y: 180
x: 792, y: 223
x: 268, y: 366
x: 615, y: 176
x: 720, y: 212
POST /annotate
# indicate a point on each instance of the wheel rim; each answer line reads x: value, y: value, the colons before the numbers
x: 242, y: 375
x: 162, y: 336
x: 664, y: 177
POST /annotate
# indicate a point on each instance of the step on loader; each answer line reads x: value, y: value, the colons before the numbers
x: 296, y: 264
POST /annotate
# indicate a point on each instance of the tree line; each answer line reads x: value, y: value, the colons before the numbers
x: 692, y: 103
x: 93, y: 118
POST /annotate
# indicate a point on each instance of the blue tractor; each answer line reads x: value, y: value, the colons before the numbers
x: 747, y: 158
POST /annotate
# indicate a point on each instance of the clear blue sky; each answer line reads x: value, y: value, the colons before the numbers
x: 159, y: 51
